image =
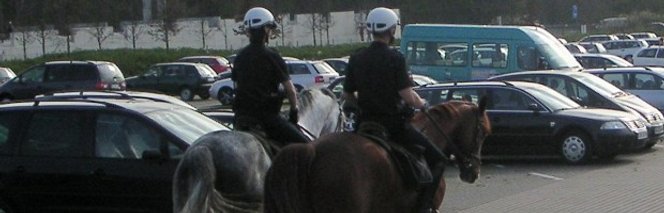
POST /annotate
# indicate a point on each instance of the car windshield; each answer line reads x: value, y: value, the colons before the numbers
x: 598, y: 84
x: 620, y: 62
x: 550, y: 98
x: 173, y: 119
x: 205, y: 70
x: 110, y: 71
x: 558, y: 58
x: 323, y: 68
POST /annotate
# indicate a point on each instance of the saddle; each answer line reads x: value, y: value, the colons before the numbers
x: 253, y: 127
x: 409, y: 160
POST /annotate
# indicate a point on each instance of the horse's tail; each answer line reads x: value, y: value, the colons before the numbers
x: 193, y: 182
x: 286, y: 184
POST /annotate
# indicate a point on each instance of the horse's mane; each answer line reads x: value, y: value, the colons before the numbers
x: 306, y: 97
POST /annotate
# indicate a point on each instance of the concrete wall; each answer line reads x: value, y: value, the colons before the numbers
x: 344, y: 28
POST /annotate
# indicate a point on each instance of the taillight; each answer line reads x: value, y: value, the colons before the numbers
x: 319, y: 79
x: 101, y: 86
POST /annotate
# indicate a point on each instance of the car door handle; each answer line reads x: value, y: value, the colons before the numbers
x: 19, y: 169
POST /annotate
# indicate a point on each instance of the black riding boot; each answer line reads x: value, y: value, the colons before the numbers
x: 425, y: 201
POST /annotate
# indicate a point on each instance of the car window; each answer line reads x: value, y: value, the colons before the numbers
x: 153, y: 71
x: 8, y: 123
x: 617, y: 79
x: 109, y: 71
x: 119, y: 136
x: 646, y: 82
x: 83, y: 73
x: 205, y: 70
x: 528, y: 58
x: 172, y: 121
x: 647, y: 53
x: 323, y: 68
x: 298, y: 69
x: 34, y: 75
x: 470, y: 95
x: 434, y: 96
x: 490, y: 55
x: 437, y: 53
x: 44, y: 138
x: 58, y: 72
x: 660, y: 53
x: 507, y: 99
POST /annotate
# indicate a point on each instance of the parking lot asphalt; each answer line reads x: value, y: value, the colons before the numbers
x: 638, y: 188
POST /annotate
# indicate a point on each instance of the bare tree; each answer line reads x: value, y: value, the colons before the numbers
x: 325, y: 24
x: 100, y: 32
x: 313, y: 24
x: 25, y: 37
x: 133, y: 31
x: 169, y: 11
x: 44, y: 34
x: 205, y: 31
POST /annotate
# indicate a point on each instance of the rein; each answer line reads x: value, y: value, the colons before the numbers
x: 463, y: 158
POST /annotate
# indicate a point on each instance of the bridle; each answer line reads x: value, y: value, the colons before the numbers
x: 464, y: 160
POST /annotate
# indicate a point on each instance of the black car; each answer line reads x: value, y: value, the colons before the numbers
x: 63, y: 75
x: 592, y: 91
x: 93, y: 155
x: 531, y: 119
x: 179, y: 78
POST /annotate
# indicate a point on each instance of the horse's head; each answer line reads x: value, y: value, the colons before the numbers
x: 459, y: 129
x: 319, y: 111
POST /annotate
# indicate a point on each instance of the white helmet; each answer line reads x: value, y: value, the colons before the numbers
x: 381, y: 19
x: 258, y: 17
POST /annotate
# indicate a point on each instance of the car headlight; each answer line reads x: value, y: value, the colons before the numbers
x: 613, y: 125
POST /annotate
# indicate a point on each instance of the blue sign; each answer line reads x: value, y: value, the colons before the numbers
x: 575, y: 11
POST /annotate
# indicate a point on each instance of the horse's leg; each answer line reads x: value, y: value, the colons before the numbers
x: 440, y: 195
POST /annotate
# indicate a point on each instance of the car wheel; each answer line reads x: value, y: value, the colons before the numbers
x: 575, y: 147
x: 204, y: 95
x: 225, y: 96
x: 5, y: 208
x: 186, y: 94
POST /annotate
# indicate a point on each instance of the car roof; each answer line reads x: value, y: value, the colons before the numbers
x: 200, y: 56
x: 626, y: 69
x: 483, y: 83
x: 140, y: 106
x: 175, y: 63
x: 105, y: 94
x: 548, y: 72
x: 77, y: 62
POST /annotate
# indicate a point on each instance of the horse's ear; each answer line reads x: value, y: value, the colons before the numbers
x: 483, y: 102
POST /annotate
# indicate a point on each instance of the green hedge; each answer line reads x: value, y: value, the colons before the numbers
x: 133, y: 62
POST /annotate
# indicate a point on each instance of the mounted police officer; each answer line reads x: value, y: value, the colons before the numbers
x: 378, y: 82
x: 258, y: 72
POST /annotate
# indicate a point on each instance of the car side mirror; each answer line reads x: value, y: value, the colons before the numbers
x: 533, y: 107
x: 152, y: 155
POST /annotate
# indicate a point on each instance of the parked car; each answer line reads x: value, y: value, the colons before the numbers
x: 651, y: 56
x: 6, y: 74
x: 180, y: 78
x: 63, y: 75
x: 531, y: 119
x: 339, y: 64
x: 225, y: 117
x: 592, y: 38
x: 304, y: 74
x: 593, y: 47
x: 575, y: 48
x: 654, y: 41
x: 217, y: 63
x: 644, y: 82
x: 589, y: 61
x: 624, y: 48
x: 592, y: 91
x: 112, y: 155
x: 643, y: 35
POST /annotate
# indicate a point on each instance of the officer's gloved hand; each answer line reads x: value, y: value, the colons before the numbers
x: 292, y: 116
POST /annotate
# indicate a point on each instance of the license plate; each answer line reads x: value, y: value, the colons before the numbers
x: 642, y: 135
x: 115, y: 86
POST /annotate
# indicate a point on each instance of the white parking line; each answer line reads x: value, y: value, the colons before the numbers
x: 545, y: 176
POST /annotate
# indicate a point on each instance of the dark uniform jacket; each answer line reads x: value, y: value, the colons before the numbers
x: 377, y: 74
x: 257, y: 72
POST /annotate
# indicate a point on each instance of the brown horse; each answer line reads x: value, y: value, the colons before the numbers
x: 345, y: 172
